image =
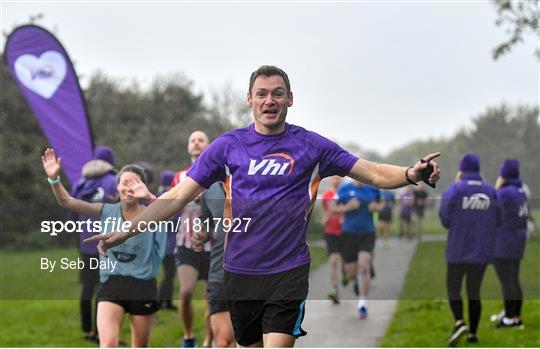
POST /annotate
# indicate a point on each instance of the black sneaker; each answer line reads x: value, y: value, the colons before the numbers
x: 509, y: 323
x: 188, y: 343
x: 471, y: 338
x: 92, y: 337
x: 457, y: 333
x: 356, y: 290
x: 333, y: 296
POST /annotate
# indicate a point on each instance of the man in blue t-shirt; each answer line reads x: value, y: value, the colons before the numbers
x: 358, y: 201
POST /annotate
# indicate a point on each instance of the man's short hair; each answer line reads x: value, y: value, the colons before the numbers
x: 269, y: 70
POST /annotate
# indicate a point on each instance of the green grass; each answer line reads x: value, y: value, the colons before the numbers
x: 423, y: 317
x: 41, y: 309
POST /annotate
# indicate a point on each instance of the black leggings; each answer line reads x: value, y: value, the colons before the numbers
x: 166, y: 287
x: 508, y: 273
x: 89, y: 279
x: 454, y: 278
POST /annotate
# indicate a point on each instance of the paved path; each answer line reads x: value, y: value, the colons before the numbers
x: 331, y: 325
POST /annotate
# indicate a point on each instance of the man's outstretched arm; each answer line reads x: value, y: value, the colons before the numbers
x: 163, y: 208
x: 390, y: 176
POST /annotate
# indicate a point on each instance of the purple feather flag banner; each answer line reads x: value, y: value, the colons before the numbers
x: 44, y: 73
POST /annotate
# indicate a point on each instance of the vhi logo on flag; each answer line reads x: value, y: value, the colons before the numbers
x: 43, y: 71
x: 42, y: 75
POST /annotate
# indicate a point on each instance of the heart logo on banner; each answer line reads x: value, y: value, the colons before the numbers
x: 42, y: 75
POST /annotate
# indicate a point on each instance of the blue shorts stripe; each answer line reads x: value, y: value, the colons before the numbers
x: 296, y: 331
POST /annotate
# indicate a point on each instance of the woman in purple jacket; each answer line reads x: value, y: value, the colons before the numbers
x: 469, y: 212
x: 510, y: 241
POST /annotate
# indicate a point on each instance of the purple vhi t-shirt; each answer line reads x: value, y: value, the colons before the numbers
x: 271, y: 185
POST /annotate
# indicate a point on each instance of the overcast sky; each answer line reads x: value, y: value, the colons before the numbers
x: 377, y: 74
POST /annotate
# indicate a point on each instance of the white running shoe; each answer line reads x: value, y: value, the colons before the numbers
x: 497, y: 317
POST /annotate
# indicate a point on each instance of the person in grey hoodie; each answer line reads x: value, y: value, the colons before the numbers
x: 212, y: 204
x: 469, y: 212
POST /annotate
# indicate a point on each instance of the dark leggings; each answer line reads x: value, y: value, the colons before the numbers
x: 454, y: 278
x: 166, y: 287
x: 89, y: 279
x: 508, y: 273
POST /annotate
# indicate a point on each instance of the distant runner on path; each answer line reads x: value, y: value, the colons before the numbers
x: 333, y: 236
x: 358, y: 201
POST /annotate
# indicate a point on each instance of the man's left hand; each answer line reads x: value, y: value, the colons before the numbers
x: 416, y: 174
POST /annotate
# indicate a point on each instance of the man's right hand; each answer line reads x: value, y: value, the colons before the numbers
x: 198, y: 239
x: 107, y: 241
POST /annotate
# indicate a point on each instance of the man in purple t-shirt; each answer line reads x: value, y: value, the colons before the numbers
x: 271, y: 171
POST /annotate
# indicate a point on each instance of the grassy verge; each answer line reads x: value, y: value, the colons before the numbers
x: 41, y: 309
x: 423, y: 317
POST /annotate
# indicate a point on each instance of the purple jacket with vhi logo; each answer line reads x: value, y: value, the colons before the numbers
x: 469, y: 212
x: 512, y: 231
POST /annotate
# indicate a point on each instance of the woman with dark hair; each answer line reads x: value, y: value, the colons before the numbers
x: 510, y: 240
x: 127, y: 272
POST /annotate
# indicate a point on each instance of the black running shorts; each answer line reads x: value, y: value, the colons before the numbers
x: 333, y: 243
x: 87, y: 275
x: 136, y: 296
x: 198, y: 260
x: 385, y: 214
x: 217, y: 302
x: 261, y: 304
x: 354, y: 243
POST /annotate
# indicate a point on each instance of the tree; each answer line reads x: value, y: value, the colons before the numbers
x: 521, y: 17
x: 498, y: 133
x: 151, y: 126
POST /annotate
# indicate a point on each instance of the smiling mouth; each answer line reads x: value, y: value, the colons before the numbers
x: 270, y: 112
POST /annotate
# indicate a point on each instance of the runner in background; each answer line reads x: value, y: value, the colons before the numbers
x: 420, y: 200
x: 388, y: 199
x: 212, y: 205
x: 332, y: 235
x: 406, y: 213
x: 191, y: 265
x: 127, y: 283
x: 358, y: 201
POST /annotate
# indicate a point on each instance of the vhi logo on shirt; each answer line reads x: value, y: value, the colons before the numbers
x: 476, y: 201
x: 275, y: 164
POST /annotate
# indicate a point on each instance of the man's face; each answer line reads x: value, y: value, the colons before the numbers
x: 269, y: 100
x: 197, y: 143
